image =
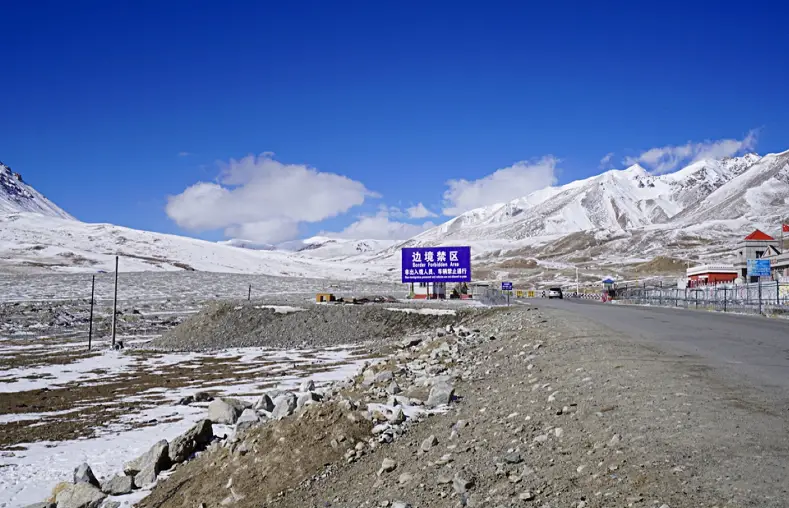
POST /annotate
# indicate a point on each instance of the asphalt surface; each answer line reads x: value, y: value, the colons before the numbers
x: 756, y: 349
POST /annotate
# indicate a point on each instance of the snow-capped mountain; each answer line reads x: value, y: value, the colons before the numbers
x: 17, y: 196
x: 329, y: 248
x: 715, y: 199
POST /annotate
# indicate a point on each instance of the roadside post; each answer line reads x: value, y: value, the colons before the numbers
x: 507, y: 288
x: 90, y: 320
x: 249, y: 293
x: 115, y: 303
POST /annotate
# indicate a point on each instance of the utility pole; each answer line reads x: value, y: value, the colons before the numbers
x: 90, y: 326
x: 115, y: 303
x: 577, y: 287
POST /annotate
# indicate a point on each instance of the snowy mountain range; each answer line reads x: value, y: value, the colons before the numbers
x: 619, y: 217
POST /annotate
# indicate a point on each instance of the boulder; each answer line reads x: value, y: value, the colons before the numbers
x: 307, y: 386
x: 80, y: 495
x: 225, y: 411
x: 118, y: 485
x: 83, y: 474
x: 307, y: 398
x: 393, y: 388
x: 284, y: 405
x: 265, y: 403
x: 203, y: 397
x: 156, y: 459
x: 249, y: 418
x: 440, y: 394
x: 42, y: 505
x: 383, y: 377
x: 146, y: 477
x: 193, y: 440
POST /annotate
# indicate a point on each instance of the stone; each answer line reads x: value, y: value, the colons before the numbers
x: 203, y: 397
x: 664, y: 506
x: 428, y: 443
x: 400, y: 504
x: 397, y: 417
x: 156, y: 459
x: 461, y: 485
x: 111, y: 504
x: 80, y: 495
x: 307, y: 386
x: 383, y: 377
x: 558, y: 432
x: 513, y: 458
x: 193, y: 440
x: 118, y: 485
x: 284, y: 405
x: 440, y: 394
x: 405, y: 478
x: 615, y: 440
x: 541, y: 438
x: 42, y: 505
x: 393, y: 388
x: 265, y: 403
x: 249, y: 418
x: 185, y: 401
x: 387, y: 466
x: 526, y: 496
x: 306, y: 399
x: 443, y: 479
x: 225, y: 411
x: 146, y: 477
x: 83, y: 474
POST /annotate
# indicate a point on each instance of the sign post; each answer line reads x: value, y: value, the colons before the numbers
x: 507, y: 286
x: 431, y: 265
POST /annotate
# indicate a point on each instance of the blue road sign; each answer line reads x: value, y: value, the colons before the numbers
x: 506, y: 286
x: 436, y: 264
x: 759, y: 267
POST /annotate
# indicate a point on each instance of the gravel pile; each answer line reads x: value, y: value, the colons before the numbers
x: 222, y: 325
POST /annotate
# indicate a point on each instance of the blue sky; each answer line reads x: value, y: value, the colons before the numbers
x: 108, y: 108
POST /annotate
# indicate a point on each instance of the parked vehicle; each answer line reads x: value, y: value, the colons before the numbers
x: 555, y: 293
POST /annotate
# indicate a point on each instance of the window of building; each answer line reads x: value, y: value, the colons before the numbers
x: 759, y: 254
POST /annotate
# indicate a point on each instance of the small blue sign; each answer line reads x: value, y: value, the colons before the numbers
x: 506, y: 286
x: 436, y: 264
x: 758, y: 267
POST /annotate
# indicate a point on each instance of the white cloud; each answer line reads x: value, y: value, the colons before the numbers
x: 419, y: 211
x: 669, y: 158
x: 264, y: 200
x: 506, y: 184
x: 184, y: 154
x: 381, y: 227
x: 605, y: 162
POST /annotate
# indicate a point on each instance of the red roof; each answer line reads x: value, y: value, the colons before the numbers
x: 759, y: 235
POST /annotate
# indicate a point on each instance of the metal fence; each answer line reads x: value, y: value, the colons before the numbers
x: 762, y: 298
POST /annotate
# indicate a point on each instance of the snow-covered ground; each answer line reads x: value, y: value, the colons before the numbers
x: 28, y: 475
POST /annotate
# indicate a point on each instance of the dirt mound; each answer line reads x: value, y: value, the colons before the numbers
x: 222, y: 325
x: 271, y: 458
x: 661, y: 264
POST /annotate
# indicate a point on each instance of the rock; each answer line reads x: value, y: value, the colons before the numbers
x: 146, y: 477
x: 284, y: 405
x: 393, y: 388
x: 83, y: 474
x: 383, y: 377
x: 307, y: 398
x: 387, y: 466
x: 400, y: 504
x: 111, y: 504
x: 307, y: 386
x: 249, y: 418
x: 428, y: 443
x: 225, y: 411
x: 615, y: 441
x: 80, y: 495
x: 185, y: 401
x: 526, y: 496
x: 440, y: 394
x: 558, y: 432
x: 664, y: 506
x: 265, y: 403
x: 443, y: 479
x: 405, y: 478
x: 118, y: 485
x: 541, y: 438
x: 513, y: 458
x: 461, y: 485
x: 156, y: 459
x: 193, y: 440
x: 203, y: 397
x: 397, y: 417
x: 42, y: 505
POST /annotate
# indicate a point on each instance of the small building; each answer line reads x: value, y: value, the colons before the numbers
x: 324, y: 297
x: 705, y: 275
x: 428, y: 290
x: 757, y: 245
